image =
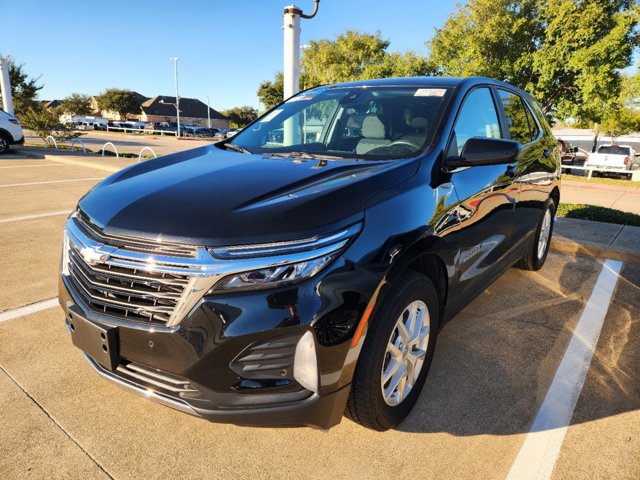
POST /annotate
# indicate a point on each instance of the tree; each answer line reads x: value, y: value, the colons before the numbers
x: 77, y: 104
x: 620, y: 121
x: 119, y: 101
x: 355, y: 55
x: 343, y: 59
x: 567, y: 53
x: 46, y: 122
x: 270, y: 93
x: 24, y: 89
x: 241, y: 116
x: 624, y: 116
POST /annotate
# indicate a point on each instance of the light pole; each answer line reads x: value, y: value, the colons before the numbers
x: 208, y: 114
x: 5, y: 86
x: 175, y: 73
x: 292, y: 16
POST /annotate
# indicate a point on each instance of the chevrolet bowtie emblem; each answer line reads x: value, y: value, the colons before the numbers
x: 94, y: 256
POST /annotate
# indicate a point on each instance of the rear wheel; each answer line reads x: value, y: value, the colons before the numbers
x: 537, y: 254
x: 4, y: 143
x: 396, y: 354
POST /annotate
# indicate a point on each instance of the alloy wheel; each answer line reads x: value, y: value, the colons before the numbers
x: 545, y: 230
x: 405, y: 353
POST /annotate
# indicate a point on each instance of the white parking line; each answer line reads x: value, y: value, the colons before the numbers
x: 540, y: 450
x: 37, y: 215
x: 50, y: 181
x: 28, y: 309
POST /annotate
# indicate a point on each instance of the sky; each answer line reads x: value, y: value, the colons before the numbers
x: 226, y: 48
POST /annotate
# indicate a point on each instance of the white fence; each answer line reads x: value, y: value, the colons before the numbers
x: 635, y: 174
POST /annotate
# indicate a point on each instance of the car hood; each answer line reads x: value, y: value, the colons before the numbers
x: 210, y: 196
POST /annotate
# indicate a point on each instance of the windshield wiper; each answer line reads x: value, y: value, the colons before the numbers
x: 236, y: 148
x: 316, y: 156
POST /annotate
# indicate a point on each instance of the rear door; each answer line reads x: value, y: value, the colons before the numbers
x: 535, y: 169
x: 487, y: 198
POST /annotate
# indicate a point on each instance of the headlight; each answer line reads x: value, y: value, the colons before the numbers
x: 274, y: 276
x: 281, y: 263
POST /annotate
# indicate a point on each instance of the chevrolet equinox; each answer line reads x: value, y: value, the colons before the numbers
x: 301, y: 270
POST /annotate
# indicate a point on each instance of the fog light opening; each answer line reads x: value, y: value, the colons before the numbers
x: 305, y: 363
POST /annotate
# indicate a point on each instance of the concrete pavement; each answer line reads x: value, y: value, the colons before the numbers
x: 597, y: 239
x: 493, y: 366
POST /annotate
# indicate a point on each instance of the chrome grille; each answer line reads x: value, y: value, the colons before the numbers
x: 129, y: 293
x: 125, y: 283
x: 157, y: 380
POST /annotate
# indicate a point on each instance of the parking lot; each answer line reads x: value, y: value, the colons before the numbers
x: 495, y: 364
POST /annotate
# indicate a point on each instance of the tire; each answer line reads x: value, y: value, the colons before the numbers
x: 367, y: 404
x: 4, y: 143
x: 537, y: 254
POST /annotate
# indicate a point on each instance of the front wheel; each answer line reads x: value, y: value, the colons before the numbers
x: 537, y: 254
x: 396, y: 354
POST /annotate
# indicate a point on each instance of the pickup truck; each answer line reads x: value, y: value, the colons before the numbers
x: 614, y: 158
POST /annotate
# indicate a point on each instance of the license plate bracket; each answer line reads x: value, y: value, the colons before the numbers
x: 98, y: 341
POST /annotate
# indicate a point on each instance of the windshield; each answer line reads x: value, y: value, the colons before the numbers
x: 347, y: 122
x: 614, y: 150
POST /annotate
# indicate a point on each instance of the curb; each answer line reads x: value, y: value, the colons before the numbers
x: 565, y: 245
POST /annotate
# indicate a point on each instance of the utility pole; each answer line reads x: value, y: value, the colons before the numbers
x: 5, y: 86
x: 208, y: 114
x: 175, y: 73
x: 292, y: 16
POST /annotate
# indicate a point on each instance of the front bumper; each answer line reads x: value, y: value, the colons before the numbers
x: 215, y: 351
x: 320, y: 411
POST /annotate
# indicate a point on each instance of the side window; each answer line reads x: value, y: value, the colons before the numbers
x: 535, y: 130
x: 477, y: 118
x: 517, y: 119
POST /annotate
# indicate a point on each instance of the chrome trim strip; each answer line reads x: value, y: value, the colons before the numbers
x: 282, y: 248
x: 146, y: 393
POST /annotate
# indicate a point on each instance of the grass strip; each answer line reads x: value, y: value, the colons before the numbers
x: 597, y: 214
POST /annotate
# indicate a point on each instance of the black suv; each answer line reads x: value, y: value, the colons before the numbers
x: 303, y: 268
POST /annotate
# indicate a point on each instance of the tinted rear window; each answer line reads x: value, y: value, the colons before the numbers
x: 614, y: 150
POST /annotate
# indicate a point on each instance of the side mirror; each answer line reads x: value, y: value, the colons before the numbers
x: 575, y: 149
x: 478, y: 151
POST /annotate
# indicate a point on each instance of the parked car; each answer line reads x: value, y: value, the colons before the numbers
x: 572, y: 155
x: 287, y: 284
x: 615, y: 159
x: 84, y: 126
x: 10, y: 131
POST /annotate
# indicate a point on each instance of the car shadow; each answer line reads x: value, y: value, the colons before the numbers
x: 495, y: 361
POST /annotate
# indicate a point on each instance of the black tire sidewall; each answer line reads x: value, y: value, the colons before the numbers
x: 412, y: 287
x: 7, y: 144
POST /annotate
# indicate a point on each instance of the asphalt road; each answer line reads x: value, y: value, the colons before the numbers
x: 495, y: 364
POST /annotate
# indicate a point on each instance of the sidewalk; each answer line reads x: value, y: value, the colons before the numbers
x: 597, y: 239
x: 611, y: 196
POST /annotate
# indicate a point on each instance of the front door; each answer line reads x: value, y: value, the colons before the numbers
x: 487, y: 197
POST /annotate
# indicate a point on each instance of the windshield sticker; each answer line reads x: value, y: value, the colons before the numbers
x: 430, y: 92
x: 301, y: 98
x: 271, y: 116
